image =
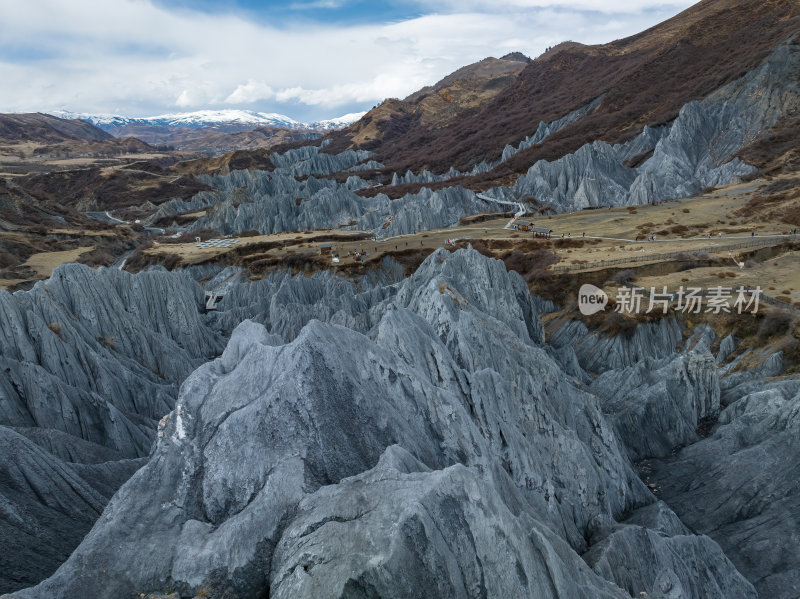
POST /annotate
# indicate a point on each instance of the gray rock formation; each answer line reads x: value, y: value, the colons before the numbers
x: 740, y: 486
x: 435, y: 447
x: 672, y: 549
x: 598, y: 353
x: 694, y: 152
x: 544, y: 131
x: 593, y: 176
x: 271, y: 203
x: 91, y: 361
x: 735, y: 485
x: 99, y: 354
x: 308, y: 160
x: 657, y: 405
x: 47, y: 506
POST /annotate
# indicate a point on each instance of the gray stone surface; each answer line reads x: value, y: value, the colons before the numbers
x: 99, y: 354
x: 598, y: 353
x: 433, y: 449
x: 91, y: 360
x: 657, y: 405
x: 740, y: 486
x: 678, y: 564
x: 47, y: 506
x: 268, y: 202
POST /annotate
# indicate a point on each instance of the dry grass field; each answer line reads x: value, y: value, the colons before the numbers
x: 43, y: 264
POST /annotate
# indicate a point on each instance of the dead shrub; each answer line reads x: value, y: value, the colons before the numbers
x: 619, y: 324
x: 108, y: 342
x: 775, y: 322
x: 7, y: 259
x: 791, y: 216
x: 96, y: 258
x: 568, y: 242
x: 623, y: 277
x: 530, y: 265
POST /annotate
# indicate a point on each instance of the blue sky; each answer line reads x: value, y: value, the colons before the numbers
x: 342, y: 12
x: 308, y: 59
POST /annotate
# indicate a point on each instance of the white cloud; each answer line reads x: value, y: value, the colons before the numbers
x: 184, y: 99
x: 252, y: 91
x: 603, y: 6
x: 98, y: 55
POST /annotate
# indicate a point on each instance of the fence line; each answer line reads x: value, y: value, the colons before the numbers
x: 659, y: 257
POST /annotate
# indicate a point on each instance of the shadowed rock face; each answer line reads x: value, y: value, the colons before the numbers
x: 436, y: 449
x: 47, y: 505
x: 598, y: 353
x: 91, y: 360
x: 657, y: 405
x: 740, y: 485
x: 268, y: 202
x: 99, y: 354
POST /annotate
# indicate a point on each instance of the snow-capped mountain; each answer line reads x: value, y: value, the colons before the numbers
x: 337, y: 123
x: 103, y: 121
x: 244, y: 119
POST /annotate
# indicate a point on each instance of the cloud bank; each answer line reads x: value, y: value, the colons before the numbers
x: 137, y: 57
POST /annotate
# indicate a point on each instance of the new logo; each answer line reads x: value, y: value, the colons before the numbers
x: 591, y: 299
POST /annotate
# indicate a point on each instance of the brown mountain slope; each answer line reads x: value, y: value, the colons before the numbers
x: 465, y: 89
x: 40, y: 142
x: 212, y: 139
x: 436, y: 106
x: 99, y: 189
x: 44, y: 128
x: 644, y: 79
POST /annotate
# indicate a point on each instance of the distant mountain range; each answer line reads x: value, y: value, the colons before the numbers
x: 227, y: 121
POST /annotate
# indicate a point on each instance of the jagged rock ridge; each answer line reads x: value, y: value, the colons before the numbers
x: 91, y: 361
x: 435, y: 445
